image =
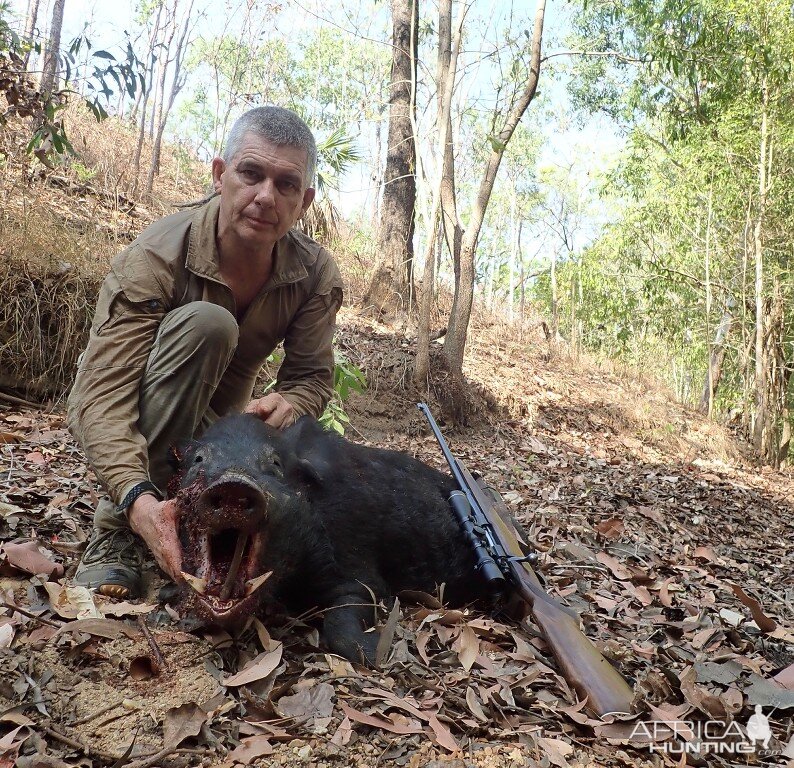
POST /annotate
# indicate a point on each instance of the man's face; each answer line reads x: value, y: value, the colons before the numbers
x: 262, y: 192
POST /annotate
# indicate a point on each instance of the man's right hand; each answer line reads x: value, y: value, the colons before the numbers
x: 156, y: 523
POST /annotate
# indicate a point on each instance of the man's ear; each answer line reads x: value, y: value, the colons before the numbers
x: 308, y: 199
x: 218, y: 167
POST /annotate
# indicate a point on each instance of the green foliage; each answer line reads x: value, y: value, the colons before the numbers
x: 348, y: 378
x: 688, y: 87
x: 97, y: 78
x: 335, y: 155
x: 84, y: 175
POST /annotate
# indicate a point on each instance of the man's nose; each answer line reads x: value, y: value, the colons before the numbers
x: 265, y: 194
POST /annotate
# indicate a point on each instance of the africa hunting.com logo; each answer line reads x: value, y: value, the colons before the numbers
x: 707, y: 737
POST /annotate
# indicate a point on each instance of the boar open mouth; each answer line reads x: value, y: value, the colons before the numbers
x: 223, y: 544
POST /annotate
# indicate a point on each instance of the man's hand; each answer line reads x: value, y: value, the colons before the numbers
x: 273, y: 409
x: 155, y: 522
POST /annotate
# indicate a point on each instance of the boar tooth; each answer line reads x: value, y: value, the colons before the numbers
x: 254, y: 584
x: 200, y: 585
x: 234, y: 566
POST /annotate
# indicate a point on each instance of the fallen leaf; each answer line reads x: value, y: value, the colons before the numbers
x: 7, y: 742
x: 705, y: 553
x: 442, y: 734
x: 474, y: 705
x: 107, y: 628
x: 732, y: 618
x: 180, y: 723
x: 343, y: 733
x: 786, y: 677
x: 610, y: 529
x: 387, y: 635
x: 768, y: 693
x: 618, y: 571
x: 308, y: 703
x: 7, y: 510
x: 109, y: 607
x: 28, y: 557
x: 467, y: 647
x: 556, y: 750
x: 378, y: 722
x: 6, y: 635
x: 72, y: 602
x: 256, y: 669
x: 249, y: 750
x: 765, y: 624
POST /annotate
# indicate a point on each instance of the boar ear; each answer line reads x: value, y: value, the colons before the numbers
x: 303, y: 471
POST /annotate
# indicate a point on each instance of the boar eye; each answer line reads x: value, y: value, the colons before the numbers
x: 277, y: 462
x: 199, y: 458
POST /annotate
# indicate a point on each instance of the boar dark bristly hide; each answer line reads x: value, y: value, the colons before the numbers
x: 330, y: 519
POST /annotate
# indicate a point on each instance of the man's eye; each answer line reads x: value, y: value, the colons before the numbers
x: 287, y: 186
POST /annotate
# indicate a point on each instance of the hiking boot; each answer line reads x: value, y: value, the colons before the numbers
x: 111, y: 563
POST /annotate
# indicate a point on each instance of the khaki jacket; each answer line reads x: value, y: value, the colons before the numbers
x: 172, y: 263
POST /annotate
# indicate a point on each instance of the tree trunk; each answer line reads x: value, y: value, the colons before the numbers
x: 555, y: 301
x: 452, y: 227
x: 761, y: 418
x: 177, y: 83
x: 31, y: 17
x: 49, y: 75
x: 716, y: 361
x: 445, y: 85
x: 392, y: 284
x: 455, y: 342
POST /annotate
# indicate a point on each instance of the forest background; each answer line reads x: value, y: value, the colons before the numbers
x: 623, y: 168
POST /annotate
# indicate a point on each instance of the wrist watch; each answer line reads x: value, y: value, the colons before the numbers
x: 138, y: 490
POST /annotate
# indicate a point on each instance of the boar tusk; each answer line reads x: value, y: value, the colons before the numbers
x: 254, y: 584
x: 234, y: 566
x: 200, y: 585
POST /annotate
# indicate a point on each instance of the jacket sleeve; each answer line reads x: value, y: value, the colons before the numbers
x: 102, y: 409
x: 306, y: 375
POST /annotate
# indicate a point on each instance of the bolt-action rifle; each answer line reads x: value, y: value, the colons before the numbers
x: 502, y: 563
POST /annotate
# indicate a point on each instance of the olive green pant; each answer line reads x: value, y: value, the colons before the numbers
x: 192, y: 350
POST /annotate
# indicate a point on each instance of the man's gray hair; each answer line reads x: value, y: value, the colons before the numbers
x: 278, y: 125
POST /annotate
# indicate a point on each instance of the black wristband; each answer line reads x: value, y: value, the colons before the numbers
x: 138, y: 490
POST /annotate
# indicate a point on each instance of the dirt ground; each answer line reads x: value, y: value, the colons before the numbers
x: 650, y: 522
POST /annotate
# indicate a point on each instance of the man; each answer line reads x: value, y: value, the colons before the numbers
x: 183, y: 324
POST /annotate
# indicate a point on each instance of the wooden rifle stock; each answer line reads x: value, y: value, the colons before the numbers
x: 581, y: 664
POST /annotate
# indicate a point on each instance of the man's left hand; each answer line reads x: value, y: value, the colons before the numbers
x: 273, y: 409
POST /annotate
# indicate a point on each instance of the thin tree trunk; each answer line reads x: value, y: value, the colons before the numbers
x: 455, y: 342
x: 31, y: 17
x: 513, y: 254
x: 177, y: 83
x: 761, y: 420
x: 710, y: 387
x: 555, y: 301
x: 49, y: 75
x: 453, y: 229
x: 445, y: 86
x: 522, y: 284
x: 716, y: 361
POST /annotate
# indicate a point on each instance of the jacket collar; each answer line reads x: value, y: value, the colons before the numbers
x: 289, y: 258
